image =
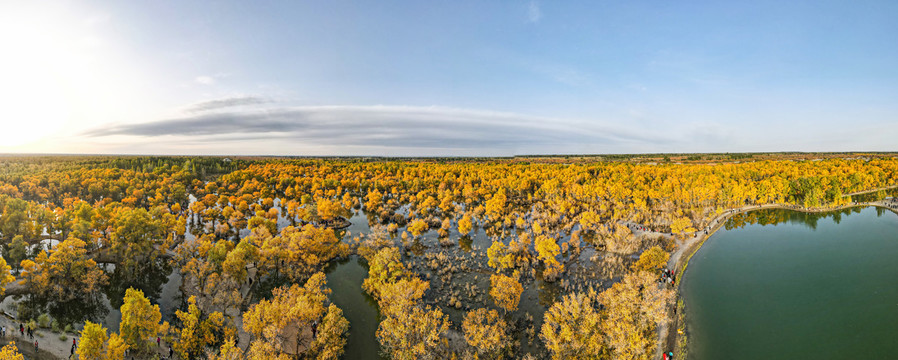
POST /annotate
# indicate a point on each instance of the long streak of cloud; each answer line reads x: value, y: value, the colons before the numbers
x: 225, y: 103
x: 382, y: 126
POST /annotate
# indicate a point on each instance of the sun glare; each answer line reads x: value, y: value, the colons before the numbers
x: 33, y: 83
x: 35, y: 107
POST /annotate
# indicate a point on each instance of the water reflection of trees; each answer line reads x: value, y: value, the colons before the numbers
x: 875, y: 195
x: 150, y: 279
x: 75, y: 311
x: 69, y: 312
x: 779, y: 216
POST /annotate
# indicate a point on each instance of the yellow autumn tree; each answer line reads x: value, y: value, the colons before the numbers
x: 95, y: 344
x: 506, y: 291
x: 548, y: 251
x: 332, y: 332
x: 10, y: 352
x: 572, y: 328
x: 68, y: 273
x: 298, y: 321
x: 417, y: 227
x: 410, y: 330
x: 116, y: 347
x: 634, y: 308
x: 384, y: 268
x: 5, y: 275
x: 465, y: 225
x: 227, y: 351
x: 486, y: 332
x: 681, y: 226
x: 495, y: 206
x: 651, y: 260
x: 328, y: 209
x: 197, y: 331
x: 140, y: 320
x: 307, y: 248
x: 500, y: 256
x: 373, y: 200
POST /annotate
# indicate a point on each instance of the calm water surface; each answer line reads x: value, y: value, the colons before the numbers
x: 803, y: 286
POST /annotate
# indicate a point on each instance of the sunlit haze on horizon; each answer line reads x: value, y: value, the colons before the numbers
x: 460, y: 78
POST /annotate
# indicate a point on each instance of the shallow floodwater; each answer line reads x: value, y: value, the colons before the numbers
x: 803, y: 286
x: 345, y: 278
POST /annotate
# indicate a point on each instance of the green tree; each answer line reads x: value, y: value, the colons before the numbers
x: 15, y: 218
x: 18, y: 251
x: 133, y: 238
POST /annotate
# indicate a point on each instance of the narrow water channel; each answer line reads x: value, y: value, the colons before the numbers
x: 345, y: 281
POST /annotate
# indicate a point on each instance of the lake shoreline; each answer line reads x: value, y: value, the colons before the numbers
x: 679, y: 261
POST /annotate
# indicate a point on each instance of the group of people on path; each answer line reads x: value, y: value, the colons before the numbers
x: 667, y: 276
x: 638, y: 227
x: 891, y: 203
x: 22, y: 332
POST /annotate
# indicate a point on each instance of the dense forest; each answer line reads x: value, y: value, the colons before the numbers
x: 252, y: 238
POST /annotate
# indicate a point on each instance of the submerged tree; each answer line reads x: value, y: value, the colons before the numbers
x: 506, y: 291
x: 465, y: 225
x: 68, y: 273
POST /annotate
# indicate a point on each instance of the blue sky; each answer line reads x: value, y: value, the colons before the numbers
x: 449, y: 78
